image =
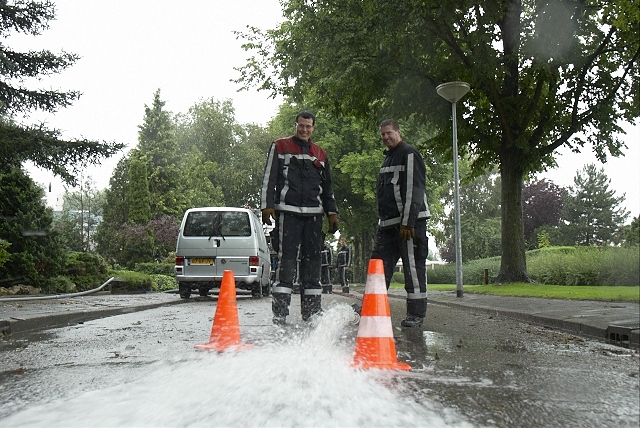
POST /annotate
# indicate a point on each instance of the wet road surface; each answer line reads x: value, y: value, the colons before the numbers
x: 469, y: 369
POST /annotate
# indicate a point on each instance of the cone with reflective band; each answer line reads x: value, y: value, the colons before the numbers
x: 375, y: 347
x: 225, y: 333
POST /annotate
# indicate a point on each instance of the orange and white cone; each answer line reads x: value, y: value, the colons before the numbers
x: 225, y: 332
x: 375, y: 347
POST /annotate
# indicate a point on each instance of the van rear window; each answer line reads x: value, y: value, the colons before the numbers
x: 217, y: 223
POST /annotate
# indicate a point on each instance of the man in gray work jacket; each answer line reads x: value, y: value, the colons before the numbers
x: 402, y: 219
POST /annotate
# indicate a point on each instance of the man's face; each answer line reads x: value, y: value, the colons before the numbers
x: 304, y: 128
x: 390, y: 137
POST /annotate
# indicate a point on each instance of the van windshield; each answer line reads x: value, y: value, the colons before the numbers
x: 217, y: 223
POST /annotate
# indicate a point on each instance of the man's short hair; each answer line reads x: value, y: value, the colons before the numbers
x: 394, y: 124
x: 306, y: 114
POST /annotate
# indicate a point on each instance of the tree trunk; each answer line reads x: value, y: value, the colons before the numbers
x: 513, y: 264
x: 362, y: 249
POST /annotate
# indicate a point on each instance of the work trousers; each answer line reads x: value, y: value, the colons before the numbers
x: 390, y: 248
x: 304, y: 234
x: 344, y: 281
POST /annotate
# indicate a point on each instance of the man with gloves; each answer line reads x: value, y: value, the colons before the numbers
x: 402, y: 219
x: 297, y: 193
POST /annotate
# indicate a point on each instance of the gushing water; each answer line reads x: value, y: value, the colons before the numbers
x: 298, y: 377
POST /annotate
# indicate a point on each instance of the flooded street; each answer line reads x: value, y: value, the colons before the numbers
x: 141, y: 369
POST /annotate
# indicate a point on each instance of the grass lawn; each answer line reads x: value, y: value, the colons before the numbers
x: 613, y: 293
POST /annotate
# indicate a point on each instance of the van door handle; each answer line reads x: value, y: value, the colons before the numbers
x: 216, y: 243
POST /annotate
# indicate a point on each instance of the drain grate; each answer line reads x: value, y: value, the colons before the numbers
x: 624, y: 335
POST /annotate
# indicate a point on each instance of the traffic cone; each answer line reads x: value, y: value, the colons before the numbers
x: 225, y: 332
x: 375, y: 348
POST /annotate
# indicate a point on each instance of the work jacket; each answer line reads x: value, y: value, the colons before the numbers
x: 400, y: 190
x: 297, y: 179
x: 344, y: 256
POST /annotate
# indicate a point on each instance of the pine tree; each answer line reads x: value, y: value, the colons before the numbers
x: 139, y: 195
x: 38, y: 144
x: 157, y: 148
x: 592, y: 213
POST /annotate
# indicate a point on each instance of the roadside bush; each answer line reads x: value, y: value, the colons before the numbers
x: 86, y: 270
x: 155, y: 268
x: 598, y: 266
x: 163, y: 282
x: 130, y: 282
x: 63, y: 284
x: 398, y: 277
x: 587, y: 266
x: 443, y: 274
x: 4, y: 254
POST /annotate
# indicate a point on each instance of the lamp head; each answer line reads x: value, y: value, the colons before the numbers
x: 453, y: 91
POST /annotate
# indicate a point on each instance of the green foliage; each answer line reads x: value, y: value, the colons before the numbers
x: 155, y: 268
x: 63, y: 284
x: 479, y: 219
x: 398, y: 277
x: 86, y: 270
x: 158, y: 149
x: 115, y: 211
x: 35, y: 253
x: 592, y: 212
x: 533, y: 90
x: 130, y: 282
x: 161, y: 282
x: 40, y: 145
x: 139, y: 195
x: 632, y: 233
x: 604, y: 266
x: 612, y: 293
x: 543, y: 239
x: 4, y: 254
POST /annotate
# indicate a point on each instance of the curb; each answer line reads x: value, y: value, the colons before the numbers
x: 19, y: 325
x: 619, y: 334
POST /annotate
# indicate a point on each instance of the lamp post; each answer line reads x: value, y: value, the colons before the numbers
x: 452, y: 92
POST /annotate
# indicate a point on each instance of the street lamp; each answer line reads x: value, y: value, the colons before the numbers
x: 452, y: 92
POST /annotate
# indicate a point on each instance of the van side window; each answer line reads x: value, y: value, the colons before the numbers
x: 217, y: 223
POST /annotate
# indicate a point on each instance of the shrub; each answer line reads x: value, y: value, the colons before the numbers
x: 86, y: 270
x: 155, y: 268
x: 558, y: 266
x: 130, y: 282
x: 398, y: 277
x: 163, y: 282
x: 4, y: 254
x: 444, y: 274
x: 63, y: 284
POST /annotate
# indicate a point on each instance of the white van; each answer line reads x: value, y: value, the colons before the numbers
x: 214, y: 239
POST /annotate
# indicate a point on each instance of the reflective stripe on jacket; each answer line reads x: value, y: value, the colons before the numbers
x: 401, y: 192
x: 297, y: 179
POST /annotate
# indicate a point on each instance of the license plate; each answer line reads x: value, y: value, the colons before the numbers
x: 201, y: 261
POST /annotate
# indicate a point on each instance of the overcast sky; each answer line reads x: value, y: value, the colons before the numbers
x: 187, y: 49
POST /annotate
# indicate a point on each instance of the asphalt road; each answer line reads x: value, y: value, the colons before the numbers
x: 470, y: 368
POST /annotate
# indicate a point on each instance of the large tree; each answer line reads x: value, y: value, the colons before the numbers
x: 543, y: 74
x: 158, y: 149
x: 36, y: 143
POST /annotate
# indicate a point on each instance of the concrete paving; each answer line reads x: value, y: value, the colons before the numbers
x: 615, y: 322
